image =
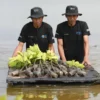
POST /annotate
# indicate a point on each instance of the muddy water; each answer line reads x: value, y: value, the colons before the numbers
x: 48, y: 92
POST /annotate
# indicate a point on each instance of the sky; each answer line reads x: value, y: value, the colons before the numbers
x: 14, y: 13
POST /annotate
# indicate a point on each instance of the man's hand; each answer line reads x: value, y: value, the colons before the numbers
x: 86, y: 62
x: 18, y: 48
x: 61, y: 50
x: 64, y: 59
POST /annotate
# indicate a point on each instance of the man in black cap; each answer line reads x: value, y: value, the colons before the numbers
x: 36, y: 32
x: 72, y: 37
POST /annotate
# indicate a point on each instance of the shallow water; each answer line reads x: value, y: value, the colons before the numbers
x: 47, y: 92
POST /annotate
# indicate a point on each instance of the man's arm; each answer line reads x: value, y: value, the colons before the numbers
x: 86, y: 45
x: 18, y: 48
x: 51, y: 47
x: 86, y: 49
x: 50, y: 39
x: 60, y: 49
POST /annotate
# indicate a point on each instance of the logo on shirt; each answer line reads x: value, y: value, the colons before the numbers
x: 44, y: 36
x: 66, y: 34
x: 52, y: 38
x: 78, y: 33
x: 57, y: 34
x: 20, y: 36
x: 87, y: 30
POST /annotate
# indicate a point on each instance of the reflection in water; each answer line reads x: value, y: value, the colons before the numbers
x: 53, y: 92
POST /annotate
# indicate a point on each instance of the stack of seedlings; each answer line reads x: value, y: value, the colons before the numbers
x: 33, y: 63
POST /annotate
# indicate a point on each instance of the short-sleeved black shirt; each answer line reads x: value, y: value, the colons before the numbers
x: 42, y: 36
x: 73, y: 38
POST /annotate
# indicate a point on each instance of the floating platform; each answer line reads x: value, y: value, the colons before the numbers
x: 92, y: 77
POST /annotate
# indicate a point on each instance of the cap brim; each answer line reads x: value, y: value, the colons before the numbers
x: 78, y: 14
x: 38, y: 16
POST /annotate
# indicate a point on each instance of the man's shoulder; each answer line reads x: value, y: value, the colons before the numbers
x: 62, y: 24
x: 46, y: 25
x: 27, y: 25
x: 81, y: 22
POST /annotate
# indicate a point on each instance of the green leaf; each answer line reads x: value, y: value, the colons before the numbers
x: 19, y: 97
x: 3, y: 97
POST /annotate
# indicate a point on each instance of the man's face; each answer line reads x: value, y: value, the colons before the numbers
x: 72, y: 18
x: 37, y: 21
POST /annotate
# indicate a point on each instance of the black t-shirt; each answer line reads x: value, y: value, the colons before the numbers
x: 42, y: 36
x: 73, y: 38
